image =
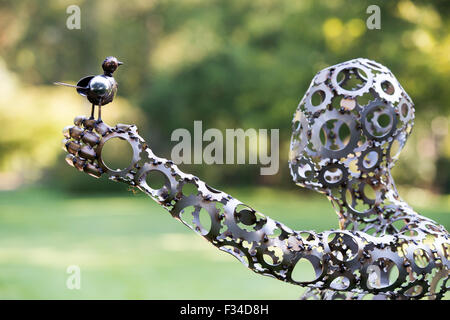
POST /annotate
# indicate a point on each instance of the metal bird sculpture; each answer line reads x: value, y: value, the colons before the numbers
x: 100, y: 89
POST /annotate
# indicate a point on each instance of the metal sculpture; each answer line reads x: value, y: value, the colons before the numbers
x: 101, y: 89
x: 348, y: 131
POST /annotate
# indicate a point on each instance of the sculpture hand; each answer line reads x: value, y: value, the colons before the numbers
x: 81, y: 142
x: 84, y: 143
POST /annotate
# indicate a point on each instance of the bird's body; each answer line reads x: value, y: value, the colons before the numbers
x: 100, y: 89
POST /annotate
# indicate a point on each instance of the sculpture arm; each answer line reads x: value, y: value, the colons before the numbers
x: 341, y: 259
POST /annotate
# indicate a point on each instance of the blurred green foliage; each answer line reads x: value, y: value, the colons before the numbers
x: 229, y: 63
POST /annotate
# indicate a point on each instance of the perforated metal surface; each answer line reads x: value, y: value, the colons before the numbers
x: 343, y: 146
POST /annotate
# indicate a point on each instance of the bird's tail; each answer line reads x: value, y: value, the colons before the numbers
x: 68, y: 85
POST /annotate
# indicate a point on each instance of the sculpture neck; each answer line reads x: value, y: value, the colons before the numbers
x: 365, y: 200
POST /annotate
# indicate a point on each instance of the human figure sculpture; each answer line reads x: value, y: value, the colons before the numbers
x: 348, y: 131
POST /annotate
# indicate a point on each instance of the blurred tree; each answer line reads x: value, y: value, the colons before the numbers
x: 233, y: 63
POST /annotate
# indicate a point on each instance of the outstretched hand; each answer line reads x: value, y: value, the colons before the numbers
x: 84, y: 143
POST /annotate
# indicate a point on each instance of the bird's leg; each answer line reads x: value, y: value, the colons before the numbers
x: 100, y: 111
x: 92, y: 111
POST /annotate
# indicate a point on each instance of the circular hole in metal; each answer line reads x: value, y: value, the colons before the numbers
x: 248, y: 219
x: 384, y: 120
x: 370, y: 159
x: 117, y: 154
x: 344, y: 133
x: 189, y: 189
x: 351, y: 79
x: 155, y: 179
x: 335, y: 135
x: 395, y: 149
x: 369, y: 192
x: 305, y: 171
x: 323, y: 136
x: 317, y: 98
x: 404, y: 109
x: 382, y: 273
x: 379, y: 121
x: 304, y: 271
x: 421, y: 258
x: 197, y: 218
x: 387, y: 87
x: 205, y: 221
x: 353, y: 202
x: 340, y: 283
x: 414, y: 291
x: 333, y: 175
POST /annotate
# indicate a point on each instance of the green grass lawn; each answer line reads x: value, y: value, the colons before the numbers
x: 129, y: 248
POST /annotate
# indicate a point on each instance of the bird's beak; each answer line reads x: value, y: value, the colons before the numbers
x: 120, y: 63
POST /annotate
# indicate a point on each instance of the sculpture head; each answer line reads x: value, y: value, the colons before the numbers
x: 351, y: 124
